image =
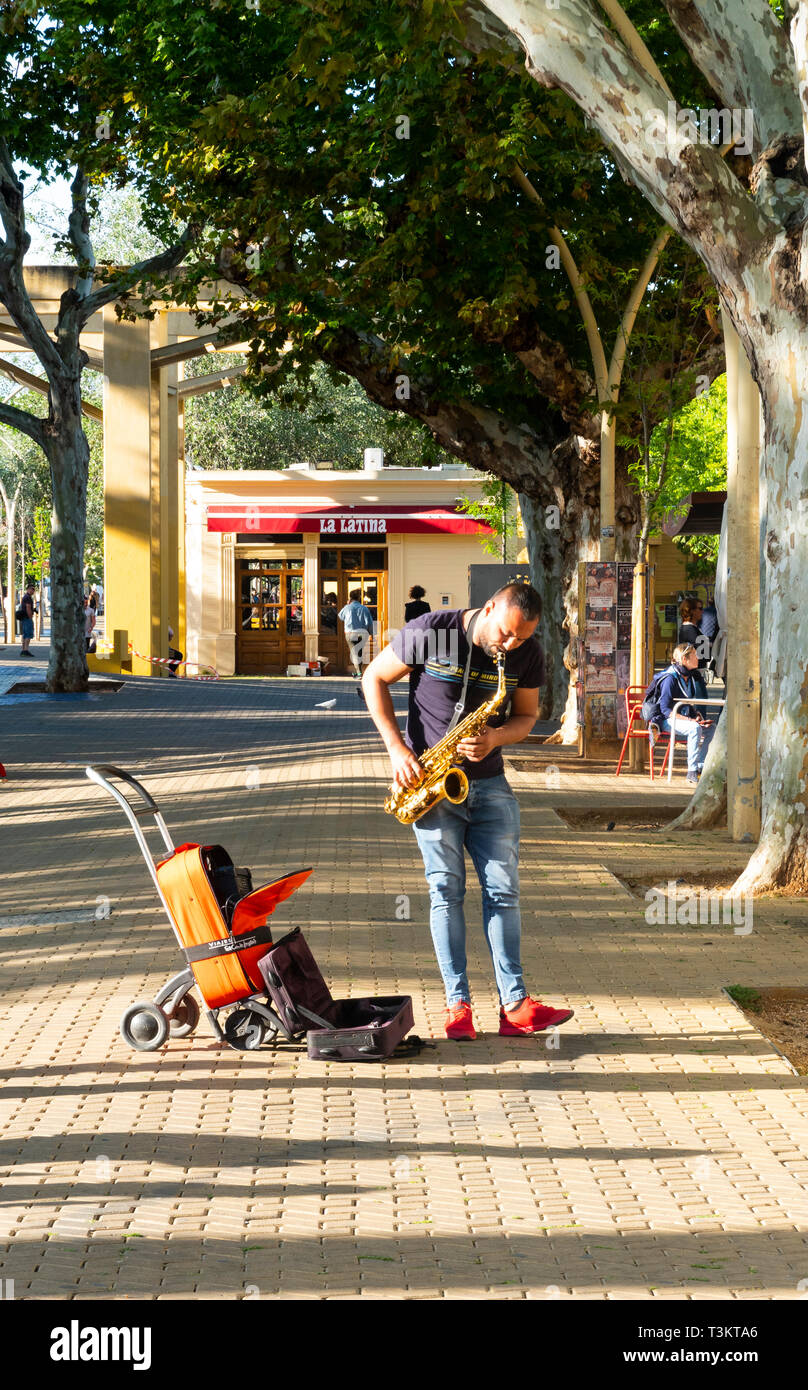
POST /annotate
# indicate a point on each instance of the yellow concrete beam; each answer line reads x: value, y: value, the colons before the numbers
x: 40, y: 384
x: 200, y: 385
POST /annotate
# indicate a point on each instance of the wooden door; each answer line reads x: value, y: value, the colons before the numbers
x: 269, y: 611
x: 340, y: 572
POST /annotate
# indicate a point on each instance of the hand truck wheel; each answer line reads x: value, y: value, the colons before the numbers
x: 244, y: 1030
x: 144, y: 1026
x: 185, y: 1017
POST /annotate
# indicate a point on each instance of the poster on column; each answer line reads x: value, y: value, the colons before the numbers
x: 625, y: 585
x: 600, y: 627
x: 599, y: 593
x: 625, y: 601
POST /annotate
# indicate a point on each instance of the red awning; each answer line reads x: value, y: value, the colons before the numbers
x: 342, y: 521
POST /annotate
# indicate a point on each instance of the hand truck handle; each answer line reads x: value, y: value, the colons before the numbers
x: 134, y: 814
x: 101, y: 772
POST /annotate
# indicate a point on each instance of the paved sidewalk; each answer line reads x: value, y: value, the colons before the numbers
x: 654, y: 1148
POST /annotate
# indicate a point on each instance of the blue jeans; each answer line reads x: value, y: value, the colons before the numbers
x: 699, y: 737
x: 487, y: 825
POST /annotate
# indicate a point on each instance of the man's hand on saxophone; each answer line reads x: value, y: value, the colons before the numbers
x: 376, y: 682
x: 477, y: 748
x: 407, y: 771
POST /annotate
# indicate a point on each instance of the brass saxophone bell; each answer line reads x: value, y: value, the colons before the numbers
x: 455, y: 785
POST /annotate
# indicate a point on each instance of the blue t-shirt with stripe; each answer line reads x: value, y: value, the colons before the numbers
x: 435, y: 648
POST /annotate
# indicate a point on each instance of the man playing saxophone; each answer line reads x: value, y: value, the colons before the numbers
x: 450, y: 657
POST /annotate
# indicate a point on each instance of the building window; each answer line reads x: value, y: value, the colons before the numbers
x: 353, y: 559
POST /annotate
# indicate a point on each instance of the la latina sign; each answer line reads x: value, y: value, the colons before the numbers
x: 353, y: 526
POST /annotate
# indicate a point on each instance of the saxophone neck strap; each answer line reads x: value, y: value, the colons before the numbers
x: 461, y: 704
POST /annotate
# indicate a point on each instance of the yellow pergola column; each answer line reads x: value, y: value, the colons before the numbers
x: 743, y: 592
x: 311, y: 597
x: 143, y: 490
x: 168, y: 450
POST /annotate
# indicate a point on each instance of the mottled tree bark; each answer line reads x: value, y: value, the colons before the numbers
x: 68, y: 453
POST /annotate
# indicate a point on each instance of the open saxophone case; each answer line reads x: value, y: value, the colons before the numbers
x: 252, y: 991
x: 344, y: 1030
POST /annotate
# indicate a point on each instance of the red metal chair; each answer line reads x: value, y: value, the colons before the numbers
x: 634, y: 699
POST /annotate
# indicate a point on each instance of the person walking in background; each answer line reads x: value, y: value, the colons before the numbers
x: 174, y: 655
x: 358, y: 621
x: 416, y: 607
x: 89, y: 624
x: 25, y: 615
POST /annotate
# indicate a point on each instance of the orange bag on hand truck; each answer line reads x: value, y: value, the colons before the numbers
x: 220, y: 922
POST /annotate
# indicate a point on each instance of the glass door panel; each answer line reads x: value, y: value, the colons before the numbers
x: 370, y: 594
x: 294, y: 603
x: 329, y: 604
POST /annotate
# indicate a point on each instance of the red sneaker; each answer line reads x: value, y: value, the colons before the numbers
x: 531, y: 1017
x: 459, y: 1023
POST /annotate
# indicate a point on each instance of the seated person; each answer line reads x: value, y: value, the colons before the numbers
x: 683, y: 681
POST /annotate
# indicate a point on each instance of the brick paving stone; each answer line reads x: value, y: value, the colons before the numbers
x: 653, y: 1148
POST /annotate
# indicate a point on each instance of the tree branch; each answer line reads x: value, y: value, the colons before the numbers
x: 151, y: 269
x: 684, y: 180
x: 578, y: 288
x: 744, y: 53
x: 520, y: 454
x: 12, y: 251
x: 799, y: 44
x: 21, y: 420
x: 78, y: 228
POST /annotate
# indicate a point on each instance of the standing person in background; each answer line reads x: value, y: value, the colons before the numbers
x: 358, y: 622
x: 174, y: 656
x: 416, y: 607
x: 25, y: 616
x: 689, y: 633
x: 709, y: 631
x: 89, y: 624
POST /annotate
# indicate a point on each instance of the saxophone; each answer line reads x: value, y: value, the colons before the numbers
x: 441, y: 777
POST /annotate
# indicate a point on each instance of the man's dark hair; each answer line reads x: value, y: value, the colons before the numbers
x: 416, y: 591
x: 522, y: 596
x: 355, y: 594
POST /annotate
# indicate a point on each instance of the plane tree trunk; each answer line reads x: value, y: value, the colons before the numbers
x: 68, y: 453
